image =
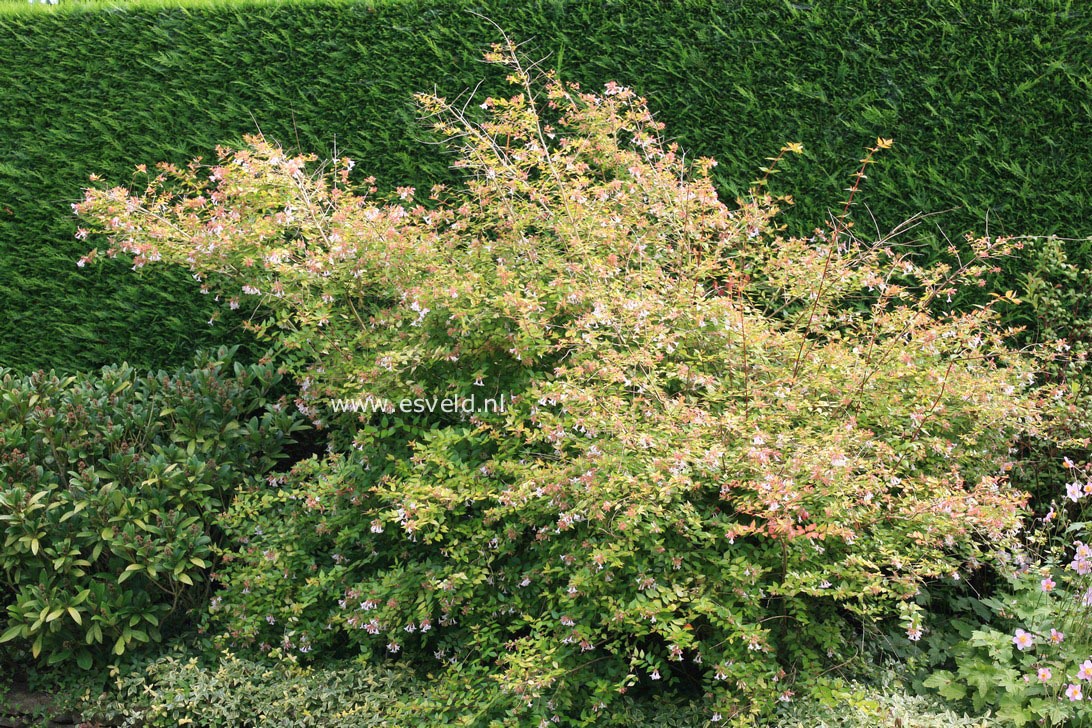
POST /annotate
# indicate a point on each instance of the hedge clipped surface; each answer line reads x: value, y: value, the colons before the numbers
x: 989, y: 103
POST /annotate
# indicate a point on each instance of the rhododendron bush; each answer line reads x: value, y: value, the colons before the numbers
x: 723, y: 454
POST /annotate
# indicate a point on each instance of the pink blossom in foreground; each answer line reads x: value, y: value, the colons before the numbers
x: 1074, y: 492
x: 1085, y: 672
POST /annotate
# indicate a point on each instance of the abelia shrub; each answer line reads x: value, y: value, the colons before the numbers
x: 723, y: 452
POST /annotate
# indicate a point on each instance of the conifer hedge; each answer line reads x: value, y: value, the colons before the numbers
x: 989, y: 103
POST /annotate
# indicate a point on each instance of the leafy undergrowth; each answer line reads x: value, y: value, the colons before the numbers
x: 183, y: 686
x: 886, y: 700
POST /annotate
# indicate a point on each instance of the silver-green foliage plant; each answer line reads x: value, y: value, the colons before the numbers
x: 231, y: 691
x: 722, y: 449
x: 883, y: 697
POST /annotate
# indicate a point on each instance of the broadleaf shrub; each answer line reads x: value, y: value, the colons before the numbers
x: 110, y: 489
x: 722, y: 450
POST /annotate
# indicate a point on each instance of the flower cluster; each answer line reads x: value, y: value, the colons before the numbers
x: 1048, y: 597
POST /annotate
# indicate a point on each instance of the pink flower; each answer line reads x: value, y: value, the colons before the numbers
x: 1047, y: 584
x: 1073, y: 491
x: 1073, y: 692
x: 1056, y: 637
x: 1044, y: 674
x: 1023, y: 640
x: 1085, y: 672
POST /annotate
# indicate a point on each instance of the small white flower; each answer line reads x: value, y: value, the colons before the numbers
x: 1074, y: 491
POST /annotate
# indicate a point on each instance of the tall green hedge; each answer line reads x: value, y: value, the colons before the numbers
x: 989, y: 103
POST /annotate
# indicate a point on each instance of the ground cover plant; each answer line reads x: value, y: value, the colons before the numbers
x: 726, y: 452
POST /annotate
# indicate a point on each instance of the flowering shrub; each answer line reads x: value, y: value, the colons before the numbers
x: 1054, y: 314
x: 724, y: 448
x: 1033, y: 661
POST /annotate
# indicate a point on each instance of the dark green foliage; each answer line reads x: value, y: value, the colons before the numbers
x: 989, y: 103
x: 118, y: 479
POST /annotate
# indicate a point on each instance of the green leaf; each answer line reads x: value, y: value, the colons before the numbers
x: 11, y: 633
x: 129, y: 571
